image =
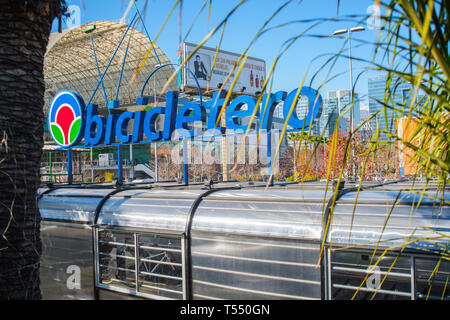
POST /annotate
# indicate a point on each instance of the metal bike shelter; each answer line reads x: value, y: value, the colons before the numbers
x: 246, y: 241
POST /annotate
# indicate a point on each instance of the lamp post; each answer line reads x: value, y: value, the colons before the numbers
x: 348, y: 31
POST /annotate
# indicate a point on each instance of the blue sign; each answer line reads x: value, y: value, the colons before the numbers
x: 103, y: 131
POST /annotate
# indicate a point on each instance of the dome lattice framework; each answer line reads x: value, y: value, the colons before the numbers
x: 70, y: 64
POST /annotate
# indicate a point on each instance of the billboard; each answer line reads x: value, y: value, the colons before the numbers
x: 250, y: 80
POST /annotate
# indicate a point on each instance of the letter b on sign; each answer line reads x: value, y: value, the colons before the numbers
x: 74, y: 280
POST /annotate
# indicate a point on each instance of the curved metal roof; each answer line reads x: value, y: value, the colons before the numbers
x: 384, y: 216
x: 70, y: 63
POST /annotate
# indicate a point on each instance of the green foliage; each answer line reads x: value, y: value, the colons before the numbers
x: 417, y: 37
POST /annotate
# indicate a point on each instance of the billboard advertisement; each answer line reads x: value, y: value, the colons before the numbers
x: 211, y: 75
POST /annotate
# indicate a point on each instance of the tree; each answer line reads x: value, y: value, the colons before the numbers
x: 24, y: 31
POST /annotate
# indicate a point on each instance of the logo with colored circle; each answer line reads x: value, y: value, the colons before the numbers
x: 65, y: 118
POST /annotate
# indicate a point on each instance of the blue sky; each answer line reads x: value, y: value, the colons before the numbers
x: 309, y: 51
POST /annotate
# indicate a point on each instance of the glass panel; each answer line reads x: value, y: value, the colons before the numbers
x: 116, y: 258
x: 160, y: 267
x: 432, y: 279
x: 353, y: 276
x: 159, y: 270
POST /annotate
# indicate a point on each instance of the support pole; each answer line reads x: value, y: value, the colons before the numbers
x: 269, y: 158
x: 119, y: 166
x: 224, y: 153
x: 69, y: 166
x: 92, y: 166
x: 185, y: 163
x: 50, y: 166
x: 156, y: 178
x: 131, y: 162
x: 353, y: 169
x: 96, y: 63
x: 109, y: 63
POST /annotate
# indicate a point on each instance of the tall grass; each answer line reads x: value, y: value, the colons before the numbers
x: 412, y: 47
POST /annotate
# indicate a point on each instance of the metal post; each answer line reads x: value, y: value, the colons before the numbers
x: 136, y: 261
x: 352, y: 106
x: 413, y: 278
x: 69, y: 166
x: 119, y: 165
x: 269, y: 157
x: 156, y: 178
x: 328, y: 274
x: 185, y: 163
x: 96, y: 262
x: 92, y: 168
x: 80, y: 173
x: 50, y: 165
x: 224, y: 142
x: 337, y: 32
x: 351, y: 79
x: 184, y: 267
x: 131, y: 162
x: 156, y: 163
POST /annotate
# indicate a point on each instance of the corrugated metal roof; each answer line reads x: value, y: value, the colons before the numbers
x: 384, y: 215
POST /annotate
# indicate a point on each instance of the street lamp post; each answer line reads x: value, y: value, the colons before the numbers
x: 348, y: 31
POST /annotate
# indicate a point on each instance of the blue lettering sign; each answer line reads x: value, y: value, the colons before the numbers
x: 121, y: 127
x: 268, y: 106
x: 94, y: 126
x: 188, y: 113
x: 215, y: 106
x: 100, y: 130
x: 150, y: 124
x: 235, y: 111
x: 314, y: 108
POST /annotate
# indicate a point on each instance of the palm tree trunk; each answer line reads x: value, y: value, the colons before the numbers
x: 24, y: 30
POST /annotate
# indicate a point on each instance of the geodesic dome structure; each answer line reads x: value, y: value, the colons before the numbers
x: 70, y: 64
